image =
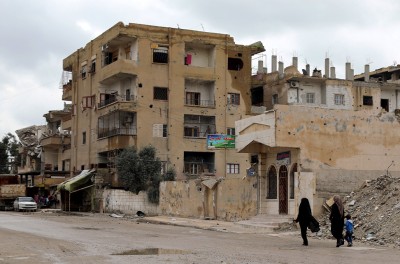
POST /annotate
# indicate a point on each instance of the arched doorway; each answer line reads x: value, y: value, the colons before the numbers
x: 283, y: 190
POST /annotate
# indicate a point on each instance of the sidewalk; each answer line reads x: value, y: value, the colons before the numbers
x: 241, y: 227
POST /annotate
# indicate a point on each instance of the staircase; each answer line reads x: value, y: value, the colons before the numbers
x: 266, y: 223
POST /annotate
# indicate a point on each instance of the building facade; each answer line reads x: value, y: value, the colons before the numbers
x: 320, y: 135
x: 138, y: 85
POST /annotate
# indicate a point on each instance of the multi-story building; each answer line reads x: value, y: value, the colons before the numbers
x: 138, y: 85
x: 320, y: 135
x: 44, y: 153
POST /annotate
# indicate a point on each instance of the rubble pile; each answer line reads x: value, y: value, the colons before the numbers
x: 375, y: 210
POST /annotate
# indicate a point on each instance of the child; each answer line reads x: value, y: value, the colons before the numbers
x: 349, y: 230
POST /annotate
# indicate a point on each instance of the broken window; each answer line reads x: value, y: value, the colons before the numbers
x: 160, y: 93
x: 235, y: 64
x: 83, y: 71
x: 272, y: 184
x: 367, y: 100
x: 310, y: 98
x: 257, y: 96
x: 385, y: 104
x: 198, y: 125
x: 233, y: 99
x: 230, y: 131
x: 232, y: 168
x: 84, y: 137
x: 274, y: 99
x: 339, y: 99
x: 160, y: 55
x: 93, y: 66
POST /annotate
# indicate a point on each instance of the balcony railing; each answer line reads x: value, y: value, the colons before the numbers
x: 116, y: 98
x: 117, y: 132
x: 203, y: 103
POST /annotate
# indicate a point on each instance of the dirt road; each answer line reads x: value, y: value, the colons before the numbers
x: 56, y: 238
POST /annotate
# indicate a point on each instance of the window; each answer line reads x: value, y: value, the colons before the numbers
x: 272, y: 184
x: 274, y: 99
x: 93, y: 66
x: 235, y: 64
x: 159, y: 130
x: 160, y: 55
x: 232, y: 168
x: 230, y: 131
x: 385, y: 104
x: 339, y: 99
x: 367, y: 100
x: 84, y: 138
x: 88, y: 101
x: 310, y: 98
x: 291, y: 181
x: 192, y: 98
x: 160, y: 93
x: 83, y: 71
x: 233, y: 99
x: 192, y: 132
x: 198, y: 125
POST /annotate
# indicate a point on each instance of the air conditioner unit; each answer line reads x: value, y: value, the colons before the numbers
x: 294, y: 84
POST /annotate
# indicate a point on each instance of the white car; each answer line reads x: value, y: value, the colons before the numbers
x: 25, y: 204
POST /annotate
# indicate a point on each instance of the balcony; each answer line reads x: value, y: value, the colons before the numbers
x: 118, y: 70
x: 103, y: 133
x: 66, y: 123
x: 67, y: 91
x: 196, y: 169
x: 199, y: 164
x: 200, y: 103
x: 55, y: 141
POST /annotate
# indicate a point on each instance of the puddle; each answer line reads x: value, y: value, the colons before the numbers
x: 87, y: 228
x: 152, y: 251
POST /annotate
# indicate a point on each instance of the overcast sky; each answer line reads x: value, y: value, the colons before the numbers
x: 37, y: 35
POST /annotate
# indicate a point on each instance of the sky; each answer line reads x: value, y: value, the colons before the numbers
x: 36, y: 35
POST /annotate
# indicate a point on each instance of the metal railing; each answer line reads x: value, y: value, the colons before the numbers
x: 204, y: 103
x: 106, y: 132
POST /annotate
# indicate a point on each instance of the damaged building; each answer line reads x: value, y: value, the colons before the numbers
x: 320, y: 135
x: 175, y: 89
x: 44, y: 154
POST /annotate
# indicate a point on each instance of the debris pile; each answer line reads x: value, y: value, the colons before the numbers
x: 375, y: 210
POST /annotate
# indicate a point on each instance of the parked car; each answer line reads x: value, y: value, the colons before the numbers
x: 25, y: 203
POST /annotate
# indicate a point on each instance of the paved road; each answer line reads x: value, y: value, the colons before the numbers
x: 56, y: 238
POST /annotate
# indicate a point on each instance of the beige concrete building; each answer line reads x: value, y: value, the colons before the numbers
x: 136, y: 85
x: 43, y: 152
x: 320, y: 135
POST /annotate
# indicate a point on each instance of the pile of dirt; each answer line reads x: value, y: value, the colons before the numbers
x: 375, y: 210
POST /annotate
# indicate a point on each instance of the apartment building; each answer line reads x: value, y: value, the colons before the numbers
x: 43, y: 152
x: 175, y: 89
x: 320, y: 135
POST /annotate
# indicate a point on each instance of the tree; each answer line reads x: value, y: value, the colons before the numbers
x: 8, y: 148
x: 141, y: 171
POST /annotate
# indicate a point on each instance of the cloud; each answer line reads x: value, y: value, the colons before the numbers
x: 38, y: 35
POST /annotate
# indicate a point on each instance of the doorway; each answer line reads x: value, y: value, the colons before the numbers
x: 283, y: 190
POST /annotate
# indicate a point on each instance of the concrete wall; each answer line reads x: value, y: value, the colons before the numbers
x: 127, y: 202
x: 230, y: 200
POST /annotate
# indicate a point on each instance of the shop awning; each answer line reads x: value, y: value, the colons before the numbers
x: 76, y: 182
